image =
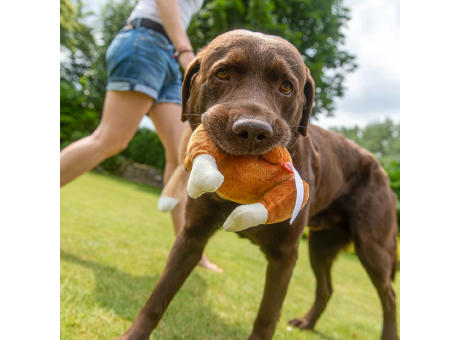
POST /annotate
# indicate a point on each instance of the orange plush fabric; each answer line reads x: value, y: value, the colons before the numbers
x: 251, y: 179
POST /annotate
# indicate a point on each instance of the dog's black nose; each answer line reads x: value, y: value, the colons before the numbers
x: 253, y: 130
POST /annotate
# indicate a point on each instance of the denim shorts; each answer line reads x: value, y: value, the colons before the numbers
x: 140, y: 59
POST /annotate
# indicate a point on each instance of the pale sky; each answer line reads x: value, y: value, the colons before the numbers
x: 373, y: 89
x: 372, y: 92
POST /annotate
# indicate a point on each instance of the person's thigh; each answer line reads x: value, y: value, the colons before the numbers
x: 122, y: 112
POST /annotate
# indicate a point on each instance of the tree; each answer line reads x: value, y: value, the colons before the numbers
x: 313, y: 26
x: 77, y: 120
x: 146, y: 148
x: 83, y: 67
x: 77, y: 42
x: 78, y: 117
x: 74, y: 34
x: 382, y: 139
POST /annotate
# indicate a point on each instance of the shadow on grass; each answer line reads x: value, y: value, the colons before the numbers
x: 125, y: 294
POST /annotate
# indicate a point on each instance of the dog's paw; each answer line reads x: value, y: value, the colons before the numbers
x: 302, y: 323
x: 204, y: 176
x: 246, y: 216
x: 166, y: 203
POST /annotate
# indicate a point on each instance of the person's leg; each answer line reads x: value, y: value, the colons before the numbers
x: 166, y: 118
x: 121, y: 115
x: 169, y: 127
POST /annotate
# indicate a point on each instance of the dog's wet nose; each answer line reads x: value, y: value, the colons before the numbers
x: 254, y: 130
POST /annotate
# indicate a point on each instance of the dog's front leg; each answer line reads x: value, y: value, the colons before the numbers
x: 186, y: 252
x: 279, y: 271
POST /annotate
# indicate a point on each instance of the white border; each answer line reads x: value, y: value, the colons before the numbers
x: 29, y: 175
x: 430, y: 124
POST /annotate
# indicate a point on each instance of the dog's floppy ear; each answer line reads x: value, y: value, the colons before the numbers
x: 189, y: 76
x: 309, y: 92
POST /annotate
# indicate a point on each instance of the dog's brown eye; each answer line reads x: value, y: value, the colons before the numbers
x: 286, y: 87
x: 223, y: 74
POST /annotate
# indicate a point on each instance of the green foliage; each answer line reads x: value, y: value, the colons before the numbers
x: 77, y: 119
x: 382, y: 139
x: 79, y: 116
x: 74, y: 34
x: 114, y: 164
x: 67, y: 23
x: 113, y: 17
x: 313, y: 26
x: 146, y: 148
x: 78, y: 45
x: 393, y: 172
x: 83, y: 67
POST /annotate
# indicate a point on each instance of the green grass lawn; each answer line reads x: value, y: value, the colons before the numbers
x: 114, y: 244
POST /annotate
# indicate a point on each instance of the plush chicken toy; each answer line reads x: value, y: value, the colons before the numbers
x: 268, y: 187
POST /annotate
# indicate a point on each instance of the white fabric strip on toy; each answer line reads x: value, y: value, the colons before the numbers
x: 299, y: 196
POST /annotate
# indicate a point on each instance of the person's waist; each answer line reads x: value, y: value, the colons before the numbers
x: 150, y: 24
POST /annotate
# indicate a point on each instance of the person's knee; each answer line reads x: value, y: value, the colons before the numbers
x: 109, y: 144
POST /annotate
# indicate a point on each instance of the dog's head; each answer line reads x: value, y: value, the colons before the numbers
x: 251, y: 91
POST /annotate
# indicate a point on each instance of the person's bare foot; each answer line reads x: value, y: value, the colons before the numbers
x: 206, y: 264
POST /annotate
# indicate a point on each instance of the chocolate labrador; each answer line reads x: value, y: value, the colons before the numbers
x: 260, y: 83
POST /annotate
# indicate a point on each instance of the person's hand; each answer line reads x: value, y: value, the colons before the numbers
x: 186, y: 58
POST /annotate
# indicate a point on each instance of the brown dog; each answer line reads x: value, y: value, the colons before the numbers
x: 251, y: 76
